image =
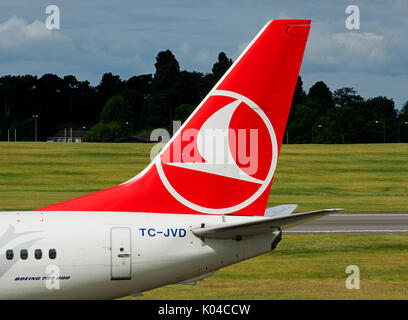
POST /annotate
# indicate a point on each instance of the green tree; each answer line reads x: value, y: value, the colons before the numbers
x: 183, y: 111
x: 404, y: 111
x: 137, y: 105
x: 109, y: 86
x: 350, y: 123
x: 167, y: 71
x: 105, y: 132
x: 49, y: 104
x: 346, y: 97
x: 164, y: 94
x: 221, y: 66
x: 381, y: 115
x: 299, y: 128
x: 320, y: 97
x: 299, y: 95
x: 141, y: 84
x: 327, y: 128
x: 191, y: 88
x: 24, y: 129
x: 381, y: 108
x: 116, y: 109
x: 402, y: 123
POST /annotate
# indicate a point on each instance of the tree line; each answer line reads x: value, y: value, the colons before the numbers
x: 116, y: 108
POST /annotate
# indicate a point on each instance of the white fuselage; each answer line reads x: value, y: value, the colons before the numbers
x: 105, y: 255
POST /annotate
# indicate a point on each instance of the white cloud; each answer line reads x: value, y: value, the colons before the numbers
x: 185, y: 48
x: 283, y: 15
x: 371, y: 52
x: 18, y: 33
x: 203, y: 56
x: 241, y: 47
x: 99, y: 36
x: 32, y: 48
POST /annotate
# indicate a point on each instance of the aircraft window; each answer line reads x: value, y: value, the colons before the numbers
x: 52, y: 253
x: 38, y: 254
x: 9, y: 254
x: 24, y: 254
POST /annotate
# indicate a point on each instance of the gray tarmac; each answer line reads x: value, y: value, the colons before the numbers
x: 355, y: 223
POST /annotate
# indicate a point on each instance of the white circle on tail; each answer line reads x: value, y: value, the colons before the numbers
x: 263, y: 183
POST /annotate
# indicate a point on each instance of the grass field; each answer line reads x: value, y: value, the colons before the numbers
x: 364, y: 178
x: 360, y: 178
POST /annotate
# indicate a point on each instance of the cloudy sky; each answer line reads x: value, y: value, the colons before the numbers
x: 124, y: 37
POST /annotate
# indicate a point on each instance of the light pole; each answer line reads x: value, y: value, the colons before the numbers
x: 399, y: 123
x: 79, y: 133
x: 131, y: 128
x: 319, y: 126
x: 383, y: 122
x: 35, y: 116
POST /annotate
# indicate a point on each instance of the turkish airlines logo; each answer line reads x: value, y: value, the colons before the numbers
x: 221, y: 163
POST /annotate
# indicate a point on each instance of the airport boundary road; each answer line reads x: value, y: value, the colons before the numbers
x: 355, y: 223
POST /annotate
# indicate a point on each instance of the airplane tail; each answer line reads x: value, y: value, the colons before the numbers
x: 222, y: 160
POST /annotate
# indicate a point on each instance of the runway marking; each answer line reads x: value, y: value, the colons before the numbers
x: 348, y: 231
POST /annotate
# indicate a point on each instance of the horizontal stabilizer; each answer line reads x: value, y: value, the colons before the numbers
x: 259, y: 225
x: 280, y: 211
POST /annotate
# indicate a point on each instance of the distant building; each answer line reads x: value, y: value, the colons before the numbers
x: 65, y: 136
x: 138, y: 139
